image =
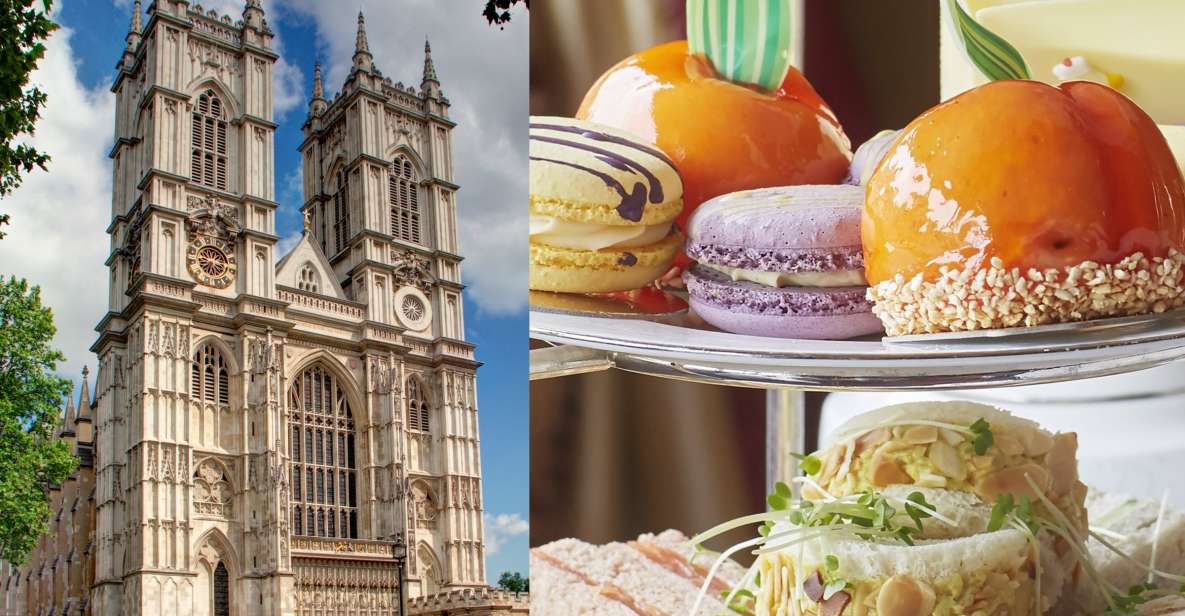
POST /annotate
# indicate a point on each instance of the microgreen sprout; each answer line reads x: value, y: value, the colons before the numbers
x: 809, y: 463
x: 743, y: 601
x: 781, y: 497
x: 1014, y: 511
x: 1128, y: 604
x: 833, y: 584
x: 981, y: 436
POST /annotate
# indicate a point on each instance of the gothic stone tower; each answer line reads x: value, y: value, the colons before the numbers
x: 264, y: 432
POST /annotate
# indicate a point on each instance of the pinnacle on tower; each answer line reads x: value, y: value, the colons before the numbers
x: 84, y: 398
x: 429, y: 67
x: 362, y: 58
x: 253, y: 14
x: 133, y: 37
x: 66, y: 421
x: 317, y: 105
x: 318, y: 86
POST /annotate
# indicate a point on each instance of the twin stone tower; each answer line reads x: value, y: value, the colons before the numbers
x: 260, y: 433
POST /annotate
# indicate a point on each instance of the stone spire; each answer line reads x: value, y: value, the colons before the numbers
x: 67, y: 419
x: 84, y: 398
x: 362, y: 58
x: 318, y: 104
x: 429, y: 68
x: 253, y: 14
x: 134, y: 36
x: 83, y: 419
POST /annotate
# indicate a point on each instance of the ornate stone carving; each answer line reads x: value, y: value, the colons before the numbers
x: 411, y: 269
x: 212, y: 494
x: 213, y: 228
x: 384, y: 377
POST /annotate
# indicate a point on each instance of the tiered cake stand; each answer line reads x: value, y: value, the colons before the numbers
x: 680, y: 348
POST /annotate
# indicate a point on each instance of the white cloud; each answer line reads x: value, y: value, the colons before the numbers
x: 501, y: 528
x: 289, y: 85
x: 287, y: 243
x: 483, y: 71
x: 57, y: 239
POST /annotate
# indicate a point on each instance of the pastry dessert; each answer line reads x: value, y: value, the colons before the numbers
x: 722, y: 136
x: 1018, y: 204
x: 603, y: 205
x: 782, y: 262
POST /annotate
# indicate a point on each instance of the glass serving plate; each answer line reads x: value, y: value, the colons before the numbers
x: 682, y: 347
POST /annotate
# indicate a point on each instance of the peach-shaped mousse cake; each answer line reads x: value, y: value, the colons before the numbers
x: 1020, y: 204
x: 722, y: 136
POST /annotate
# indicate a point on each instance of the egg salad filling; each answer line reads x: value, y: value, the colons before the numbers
x: 810, y: 529
x: 1004, y: 589
x: 973, y: 458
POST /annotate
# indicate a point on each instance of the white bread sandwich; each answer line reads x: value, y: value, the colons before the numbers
x: 989, y: 573
x: 961, y: 446
x: 655, y: 575
x: 1131, y: 538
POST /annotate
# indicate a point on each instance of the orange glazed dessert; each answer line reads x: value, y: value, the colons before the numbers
x: 1021, y: 204
x: 722, y: 136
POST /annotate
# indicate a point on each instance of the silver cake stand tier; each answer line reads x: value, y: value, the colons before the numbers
x: 680, y: 348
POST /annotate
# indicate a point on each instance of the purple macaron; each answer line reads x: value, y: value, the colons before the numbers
x: 783, y: 262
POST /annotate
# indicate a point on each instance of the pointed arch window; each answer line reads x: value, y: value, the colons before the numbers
x: 341, y: 212
x: 208, y: 159
x: 221, y: 590
x: 327, y: 504
x: 404, y: 196
x: 209, y: 376
x: 418, y: 412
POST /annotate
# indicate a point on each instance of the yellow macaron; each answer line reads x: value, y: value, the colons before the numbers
x: 603, y: 206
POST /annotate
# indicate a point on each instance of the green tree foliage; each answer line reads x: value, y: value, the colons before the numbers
x: 23, y: 28
x: 514, y: 582
x: 30, y: 395
x: 497, y: 12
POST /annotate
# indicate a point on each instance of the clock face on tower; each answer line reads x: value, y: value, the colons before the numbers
x: 212, y: 261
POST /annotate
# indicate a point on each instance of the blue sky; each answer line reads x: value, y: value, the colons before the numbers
x: 57, y: 235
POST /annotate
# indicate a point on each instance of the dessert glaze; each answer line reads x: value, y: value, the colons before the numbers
x: 722, y: 136
x: 1033, y: 175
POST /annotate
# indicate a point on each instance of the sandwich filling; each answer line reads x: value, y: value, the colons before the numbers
x: 968, y: 458
x: 1004, y: 588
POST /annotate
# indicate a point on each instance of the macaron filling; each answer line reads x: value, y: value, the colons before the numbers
x: 712, y: 287
x: 553, y: 231
x: 839, y: 278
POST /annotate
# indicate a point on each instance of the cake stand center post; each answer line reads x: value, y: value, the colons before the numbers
x: 785, y: 433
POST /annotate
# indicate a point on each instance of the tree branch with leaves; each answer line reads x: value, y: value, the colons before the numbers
x: 32, y: 457
x: 23, y: 30
x: 497, y: 12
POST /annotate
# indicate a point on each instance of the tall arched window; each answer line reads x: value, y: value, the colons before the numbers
x: 221, y: 591
x: 326, y: 505
x: 209, y: 377
x: 404, y: 196
x: 208, y: 158
x: 341, y: 212
x: 418, y: 411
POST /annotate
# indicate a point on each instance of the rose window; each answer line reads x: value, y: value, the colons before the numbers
x: 413, y: 308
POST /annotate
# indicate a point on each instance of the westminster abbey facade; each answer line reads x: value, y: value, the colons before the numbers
x: 263, y: 428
